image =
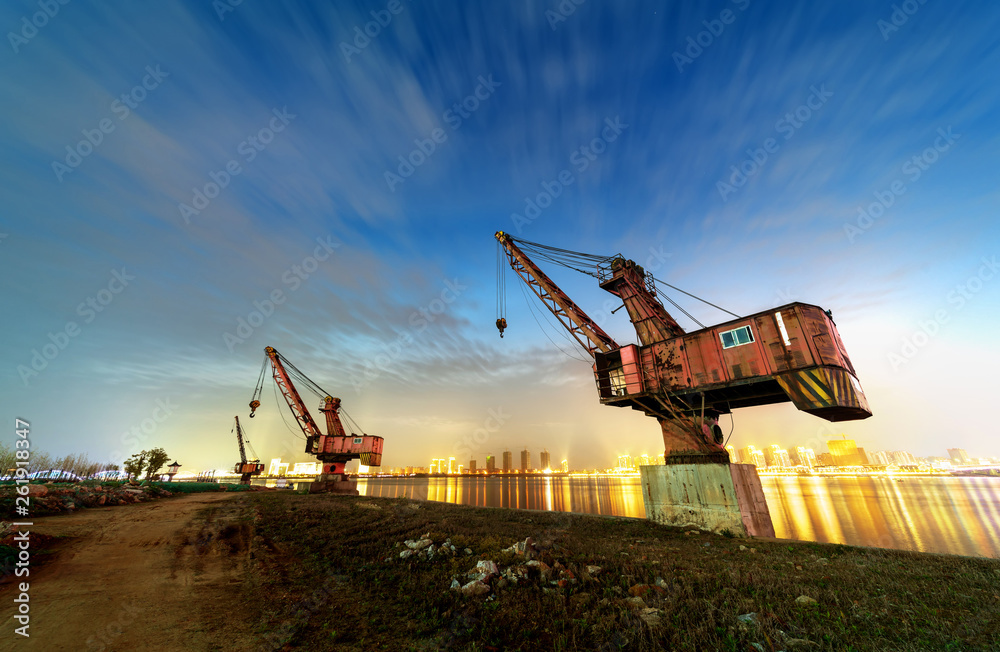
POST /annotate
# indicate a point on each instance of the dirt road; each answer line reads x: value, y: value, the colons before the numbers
x: 149, y: 576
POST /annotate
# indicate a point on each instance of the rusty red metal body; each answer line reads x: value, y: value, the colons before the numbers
x: 335, y: 448
x: 792, y: 353
x: 687, y: 380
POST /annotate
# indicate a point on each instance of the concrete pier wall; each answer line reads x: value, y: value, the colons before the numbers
x: 712, y: 497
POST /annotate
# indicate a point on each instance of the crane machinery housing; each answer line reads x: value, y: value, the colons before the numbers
x: 246, y: 469
x: 687, y: 380
x: 335, y: 448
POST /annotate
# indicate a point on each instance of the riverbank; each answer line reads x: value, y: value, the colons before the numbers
x: 356, y: 573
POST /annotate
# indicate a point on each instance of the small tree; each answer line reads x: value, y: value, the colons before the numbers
x: 155, y: 459
x: 134, y: 465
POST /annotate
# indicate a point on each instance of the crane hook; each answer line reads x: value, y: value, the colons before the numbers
x: 254, y: 404
x: 501, y: 325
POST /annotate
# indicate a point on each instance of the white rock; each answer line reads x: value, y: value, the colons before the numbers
x: 475, y: 587
x: 418, y: 545
x: 804, y: 600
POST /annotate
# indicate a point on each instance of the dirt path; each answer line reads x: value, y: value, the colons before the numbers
x: 144, y: 576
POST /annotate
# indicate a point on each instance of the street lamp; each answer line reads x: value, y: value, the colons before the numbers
x: 172, y: 471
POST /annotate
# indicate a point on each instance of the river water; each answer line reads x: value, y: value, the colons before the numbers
x: 930, y: 514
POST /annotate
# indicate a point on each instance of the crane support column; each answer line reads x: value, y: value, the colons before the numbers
x: 711, y: 496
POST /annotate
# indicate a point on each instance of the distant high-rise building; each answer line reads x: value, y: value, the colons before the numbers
x: 802, y: 457
x: 879, y: 458
x: 777, y: 456
x: 958, y: 456
x: 565, y: 466
x: 845, y: 452
x: 434, y: 466
x: 752, y: 455
x: 543, y: 460
x: 625, y: 462
x: 525, y: 461
x: 491, y: 464
x: 902, y: 458
x: 508, y: 462
x: 644, y: 460
x: 452, y: 468
x: 472, y: 466
x: 734, y: 455
x: 825, y: 459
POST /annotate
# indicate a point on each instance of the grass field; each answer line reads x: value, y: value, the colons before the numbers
x: 331, y: 571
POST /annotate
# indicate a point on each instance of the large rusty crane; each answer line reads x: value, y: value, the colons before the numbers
x: 687, y: 380
x: 334, y: 448
x: 246, y: 469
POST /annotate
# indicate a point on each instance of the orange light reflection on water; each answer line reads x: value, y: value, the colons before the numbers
x: 929, y: 514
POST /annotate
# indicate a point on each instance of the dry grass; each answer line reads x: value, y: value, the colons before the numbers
x: 318, y: 579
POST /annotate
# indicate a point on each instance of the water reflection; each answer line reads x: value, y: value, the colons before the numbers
x: 612, y: 496
x: 950, y: 515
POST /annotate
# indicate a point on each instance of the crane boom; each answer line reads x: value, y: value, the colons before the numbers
x: 239, y: 439
x: 591, y: 336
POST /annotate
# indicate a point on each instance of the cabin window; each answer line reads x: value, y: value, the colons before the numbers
x: 736, y: 337
x: 358, y: 440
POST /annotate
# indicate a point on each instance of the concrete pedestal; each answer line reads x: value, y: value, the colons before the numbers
x: 334, y: 483
x: 713, y: 496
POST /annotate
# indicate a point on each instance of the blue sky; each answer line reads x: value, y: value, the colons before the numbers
x: 302, y: 123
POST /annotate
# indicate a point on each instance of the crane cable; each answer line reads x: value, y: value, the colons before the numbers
x: 246, y: 441
x: 695, y: 297
x: 562, y: 331
x: 588, y: 263
x: 300, y: 380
